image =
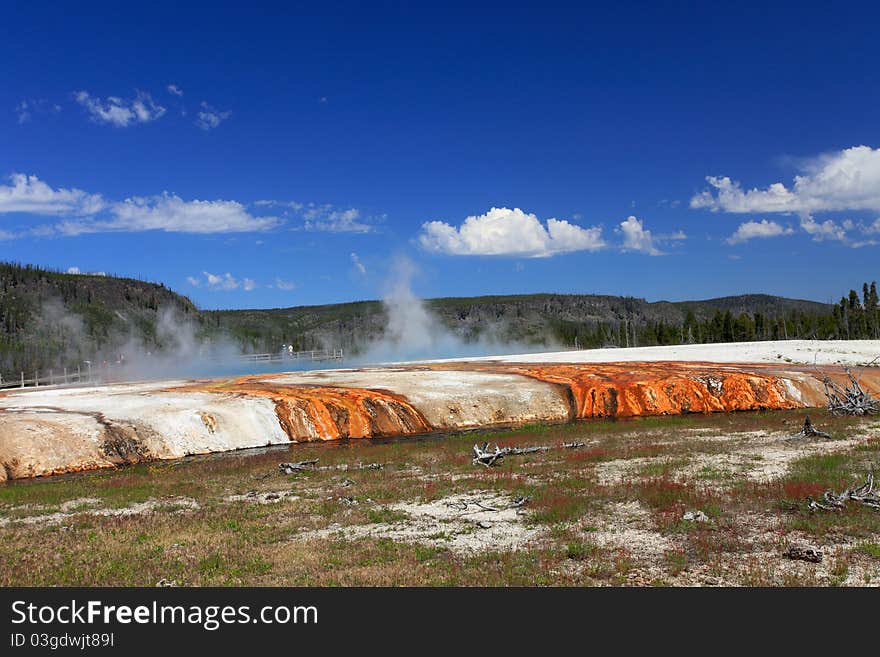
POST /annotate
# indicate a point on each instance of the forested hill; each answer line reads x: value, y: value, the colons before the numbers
x: 552, y: 319
x: 51, y: 319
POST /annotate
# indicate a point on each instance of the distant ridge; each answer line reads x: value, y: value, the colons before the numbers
x: 53, y: 319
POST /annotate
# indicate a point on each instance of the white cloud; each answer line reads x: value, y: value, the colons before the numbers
x: 637, y: 238
x: 758, y: 229
x: 222, y: 282
x: 31, y: 195
x: 826, y: 230
x: 281, y: 284
x: 24, y: 112
x: 91, y: 213
x: 504, y: 231
x: 170, y: 213
x: 118, y: 111
x: 333, y: 220
x: 77, y: 271
x: 356, y: 261
x: 872, y: 228
x: 843, y: 180
x: 26, y: 109
x: 174, y: 89
x: 210, y: 117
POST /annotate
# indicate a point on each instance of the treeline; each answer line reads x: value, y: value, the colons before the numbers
x: 51, y: 319
x: 853, y: 318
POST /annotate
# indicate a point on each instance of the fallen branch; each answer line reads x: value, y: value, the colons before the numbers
x: 294, y: 467
x: 863, y: 494
x: 851, y: 400
x: 301, y: 466
x: 485, y: 456
x: 515, y: 503
x: 809, y: 431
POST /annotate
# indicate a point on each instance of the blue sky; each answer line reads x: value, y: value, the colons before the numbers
x: 269, y: 156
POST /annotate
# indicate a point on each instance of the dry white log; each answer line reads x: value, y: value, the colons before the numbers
x: 489, y: 457
x: 851, y: 400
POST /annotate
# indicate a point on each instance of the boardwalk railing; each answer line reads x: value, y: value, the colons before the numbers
x: 49, y: 379
x: 107, y: 372
x: 280, y: 356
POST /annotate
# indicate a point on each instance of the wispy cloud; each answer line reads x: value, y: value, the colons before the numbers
x: 329, y: 219
x: 82, y: 212
x: 324, y: 217
x: 281, y: 284
x: 28, y: 107
x: 509, y: 232
x: 210, y: 117
x: 174, y: 90
x: 358, y: 265
x: 120, y: 112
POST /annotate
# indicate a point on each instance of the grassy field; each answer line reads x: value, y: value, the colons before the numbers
x: 609, y: 513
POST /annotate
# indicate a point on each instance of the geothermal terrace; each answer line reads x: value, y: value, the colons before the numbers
x: 55, y: 430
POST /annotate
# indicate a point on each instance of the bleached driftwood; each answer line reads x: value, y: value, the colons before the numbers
x: 297, y: 466
x: 864, y: 494
x: 515, y: 503
x: 489, y: 457
x: 301, y: 466
x: 850, y: 400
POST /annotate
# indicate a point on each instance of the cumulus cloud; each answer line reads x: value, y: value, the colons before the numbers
x: 843, y: 180
x: 758, y: 230
x: 505, y: 231
x: 120, y: 112
x: 358, y: 265
x: 638, y: 238
x: 31, y: 195
x: 210, y: 117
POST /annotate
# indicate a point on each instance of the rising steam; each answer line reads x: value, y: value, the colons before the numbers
x: 413, y: 332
